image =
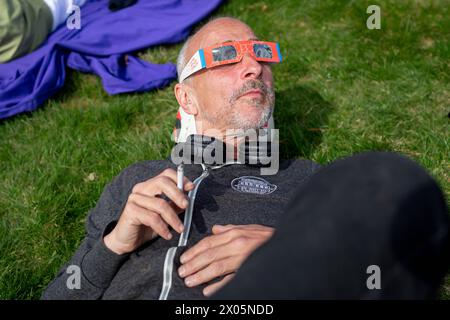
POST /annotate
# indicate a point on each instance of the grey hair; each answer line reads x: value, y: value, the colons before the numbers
x: 182, y: 59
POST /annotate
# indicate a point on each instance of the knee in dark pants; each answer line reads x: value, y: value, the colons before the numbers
x: 374, y: 208
x: 410, y: 212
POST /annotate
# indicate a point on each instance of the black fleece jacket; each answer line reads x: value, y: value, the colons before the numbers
x: 233, y: 194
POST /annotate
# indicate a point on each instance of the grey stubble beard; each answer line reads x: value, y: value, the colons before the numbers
x: 235, y: 120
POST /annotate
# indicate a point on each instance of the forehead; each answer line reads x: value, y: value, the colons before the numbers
x: 219, y: 32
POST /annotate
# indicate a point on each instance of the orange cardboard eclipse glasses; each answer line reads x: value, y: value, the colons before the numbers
x: 231, y: 52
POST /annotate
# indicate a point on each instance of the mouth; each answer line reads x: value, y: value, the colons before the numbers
x: 252, y: 93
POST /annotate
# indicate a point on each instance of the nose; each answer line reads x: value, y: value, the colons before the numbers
x: 251, y: 69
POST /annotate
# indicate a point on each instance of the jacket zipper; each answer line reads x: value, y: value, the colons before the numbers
x: 170, y: 255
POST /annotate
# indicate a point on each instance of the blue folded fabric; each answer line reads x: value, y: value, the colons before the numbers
x: 99, y: 47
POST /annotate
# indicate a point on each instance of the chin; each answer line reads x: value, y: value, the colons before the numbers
x: 249, y: 120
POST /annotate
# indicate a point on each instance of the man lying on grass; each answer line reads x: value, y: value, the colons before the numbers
x: 375, y: 211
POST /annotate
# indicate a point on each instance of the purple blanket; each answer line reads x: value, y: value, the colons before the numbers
x: 99, y: 47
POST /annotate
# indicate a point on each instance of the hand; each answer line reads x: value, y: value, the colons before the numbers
x: 146, y: 215
x: 221, y: 254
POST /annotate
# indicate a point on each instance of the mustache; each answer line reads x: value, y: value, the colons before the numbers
x: 248, y: 86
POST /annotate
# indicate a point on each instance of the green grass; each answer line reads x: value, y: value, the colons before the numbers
x: 341, y: 89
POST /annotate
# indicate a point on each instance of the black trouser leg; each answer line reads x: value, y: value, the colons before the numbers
x: 377, y: 209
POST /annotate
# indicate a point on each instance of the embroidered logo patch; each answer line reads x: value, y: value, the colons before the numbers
x: 250, y: 184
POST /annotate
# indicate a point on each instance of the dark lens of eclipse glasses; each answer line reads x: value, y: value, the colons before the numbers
x: 262, y: 50
x: 224, y: 53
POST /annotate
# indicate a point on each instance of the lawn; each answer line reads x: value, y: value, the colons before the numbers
x: 341, y: 89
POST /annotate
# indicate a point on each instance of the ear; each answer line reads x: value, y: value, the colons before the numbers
x: 185, y: 98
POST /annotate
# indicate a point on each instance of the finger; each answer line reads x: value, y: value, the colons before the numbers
x: 172, y: 192
x: 151, y: 187
x: 166, y: 186
x: 164, y: 209
x: 214, y: 270
x: 154, y: 221
x: 141, y: 201
x: 211, y: 289
x: 160, y: 206
x: 205, y: 258
x: 172, y: 174
x: 205, y: 244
